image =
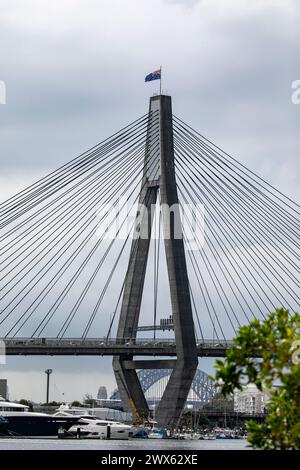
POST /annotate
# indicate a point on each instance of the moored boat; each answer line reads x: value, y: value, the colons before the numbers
x: 157, y: 433
x: 90, y: 427
x: 17, y: 421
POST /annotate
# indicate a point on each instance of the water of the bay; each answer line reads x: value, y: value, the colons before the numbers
x: 135, y: 444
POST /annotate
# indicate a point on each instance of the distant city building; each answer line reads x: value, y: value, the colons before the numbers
x: 250, y: 401
x: 3, y: 389
x: 112, y: 404
x: 102, y: 393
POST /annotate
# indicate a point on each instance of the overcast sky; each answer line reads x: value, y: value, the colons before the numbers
x: 74, y: 73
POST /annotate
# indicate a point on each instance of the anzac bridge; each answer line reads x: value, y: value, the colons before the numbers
x: 155, y: 222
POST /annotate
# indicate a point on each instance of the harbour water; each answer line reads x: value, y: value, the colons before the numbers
x: 136, y: 444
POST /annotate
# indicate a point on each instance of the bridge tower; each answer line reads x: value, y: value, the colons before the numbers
x: 159, y: 175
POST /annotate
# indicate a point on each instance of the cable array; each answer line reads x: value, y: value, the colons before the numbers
x: 243, y: 254
x: 66, y: 239
x: 60, y: 237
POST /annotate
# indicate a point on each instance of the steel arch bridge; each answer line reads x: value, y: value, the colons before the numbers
x: 202, y: 386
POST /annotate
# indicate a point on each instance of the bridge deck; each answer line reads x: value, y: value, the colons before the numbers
x: 106, y: 347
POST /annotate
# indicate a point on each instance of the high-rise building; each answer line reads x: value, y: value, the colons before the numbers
x: 102, y: 393
x: 250, y: 401
x: 3, y: 389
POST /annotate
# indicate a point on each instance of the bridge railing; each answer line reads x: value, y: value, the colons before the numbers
x: 106, y: 342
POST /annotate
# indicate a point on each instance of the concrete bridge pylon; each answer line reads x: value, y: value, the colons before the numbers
x: 159, y: 176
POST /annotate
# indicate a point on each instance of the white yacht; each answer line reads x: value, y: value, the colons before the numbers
x: 91, y: 427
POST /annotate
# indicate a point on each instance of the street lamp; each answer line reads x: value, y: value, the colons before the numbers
x: 48, y: 372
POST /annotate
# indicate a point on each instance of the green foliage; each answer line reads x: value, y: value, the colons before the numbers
x: 219, y: 403
x: 26, y: 403
x: 76, y: 403
x: 52, y: 403
x: 277, y: 373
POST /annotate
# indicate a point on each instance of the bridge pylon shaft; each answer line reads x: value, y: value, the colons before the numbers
x: 159, y: 174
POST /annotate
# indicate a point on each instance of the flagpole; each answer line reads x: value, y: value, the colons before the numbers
x: 160, y: 81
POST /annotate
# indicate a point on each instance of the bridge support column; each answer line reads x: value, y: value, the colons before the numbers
x: 128, y: 383
x: 176, y: 392
x: 178, y: 387
x: 130, y: 389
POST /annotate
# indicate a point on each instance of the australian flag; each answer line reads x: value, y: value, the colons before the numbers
x: 153, y: 76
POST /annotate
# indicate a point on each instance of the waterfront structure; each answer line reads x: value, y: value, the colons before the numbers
x: 250, y: 401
